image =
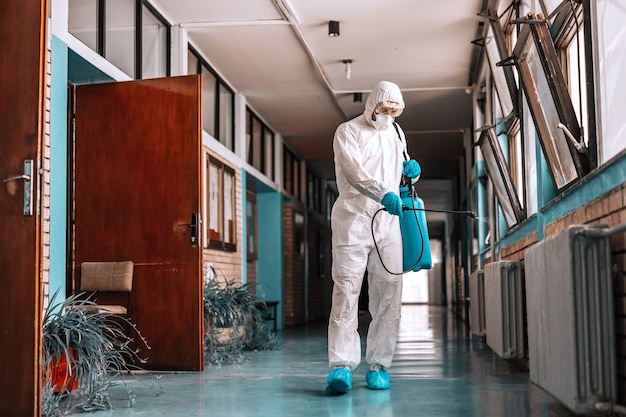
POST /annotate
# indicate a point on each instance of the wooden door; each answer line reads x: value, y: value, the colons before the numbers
x: 22, y: 81
x: 137, y: 185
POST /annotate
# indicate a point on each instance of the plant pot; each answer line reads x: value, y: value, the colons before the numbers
x: 226, y: 335
x: 61, y: 373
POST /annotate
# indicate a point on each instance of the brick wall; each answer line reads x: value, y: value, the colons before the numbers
x: 45, y: 189
x: 294, y: 288
x: 608, y: 209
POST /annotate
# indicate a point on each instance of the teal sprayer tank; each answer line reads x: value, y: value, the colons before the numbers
x: 415, y: 243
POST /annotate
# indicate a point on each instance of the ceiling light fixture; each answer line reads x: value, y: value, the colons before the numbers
x: 333, y: 28
x: 348, y: 69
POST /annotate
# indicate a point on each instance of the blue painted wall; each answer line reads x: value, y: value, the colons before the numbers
x: 58, y: 166
x: 270, y: 249
x: 599, y: 182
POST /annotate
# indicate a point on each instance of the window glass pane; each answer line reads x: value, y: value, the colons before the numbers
x: 83, y: 21
x: 154, y: 46
x: 504, y: 98
x: 226, y: 117
x: 296, y: 177
x: 287, y: 171
x: 576, y: 76
x: 611, y: 40
x: 214, y: 203
x: 516, y: 163
x: 192, y: 62
x: 269, y: 154
x: 251, y: 224
x: 552, y: 4
x: 120, y: 35
x: 530, y: 154
x: 229, y: 208
x: 539, y: 93
x: 248, y: 136
x: 208, y: 101
x: 257, y: 129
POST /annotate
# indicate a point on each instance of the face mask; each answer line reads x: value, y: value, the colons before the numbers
x: 383, y: 121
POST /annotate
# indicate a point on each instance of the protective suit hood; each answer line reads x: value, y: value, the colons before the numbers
x: 384, y: 91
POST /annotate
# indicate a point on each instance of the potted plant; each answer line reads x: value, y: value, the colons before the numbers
x: 233, y: 323
x: 83, y: 350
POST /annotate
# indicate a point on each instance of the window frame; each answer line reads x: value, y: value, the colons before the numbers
x: 216, y: 130
x: 500, y: 176
x: 291, y: 173
x: 535, y: 51
x: 495, y: 45
x: 215, y: 239
x: 569, y: 20
x: 314, y: 191
x: 101, y: 37
x: 251, y: 229
x: 260, y: 151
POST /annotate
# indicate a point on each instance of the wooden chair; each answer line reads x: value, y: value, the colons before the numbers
x: 107, y: 280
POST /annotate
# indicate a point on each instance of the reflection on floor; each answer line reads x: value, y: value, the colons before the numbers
x: 439, y: 370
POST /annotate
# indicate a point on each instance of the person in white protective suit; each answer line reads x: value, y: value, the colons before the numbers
x: 369, y: 165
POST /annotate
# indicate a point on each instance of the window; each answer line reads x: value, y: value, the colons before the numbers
x: 251, y: 226
x: 314, y: 192
x: 550, y: 105
x: 611, y: 42
x: 220, y: 226
x: 500, y: 176
x: 260, y: 144
x: 128, y: 33
x: 291, y: 174
x: 209, y: 85
x: 83, y: 21
x: 119, y: 45
x: 155, y: 40
x: 502, y: 73
x: 218, y: 101
x: 516, y: 160
x: 569, y: 42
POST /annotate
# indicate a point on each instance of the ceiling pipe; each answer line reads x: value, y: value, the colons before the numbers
x: 285, y: 11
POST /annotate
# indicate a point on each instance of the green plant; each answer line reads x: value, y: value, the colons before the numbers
x: 96, y: 347
x: 233, y: 322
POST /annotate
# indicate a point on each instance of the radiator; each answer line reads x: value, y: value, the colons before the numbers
x: 477, y: 302
x: 571, y: 337
x: 504, y: 320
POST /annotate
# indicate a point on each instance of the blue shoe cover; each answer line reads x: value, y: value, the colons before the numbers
x: 377, y: 379
x: 339, y: 381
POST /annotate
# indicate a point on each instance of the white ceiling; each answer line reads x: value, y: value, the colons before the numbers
x: 279, y: 55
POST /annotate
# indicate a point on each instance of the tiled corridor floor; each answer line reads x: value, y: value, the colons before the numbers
x: 438, y: 371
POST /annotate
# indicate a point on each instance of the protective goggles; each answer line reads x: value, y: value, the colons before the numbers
x: 389, y: 107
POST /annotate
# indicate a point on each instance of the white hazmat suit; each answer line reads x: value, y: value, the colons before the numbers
x: 368, y: 165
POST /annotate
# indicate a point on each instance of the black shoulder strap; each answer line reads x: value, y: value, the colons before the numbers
x: 406, y: 155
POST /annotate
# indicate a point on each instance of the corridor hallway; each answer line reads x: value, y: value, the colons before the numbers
x: 439, y: 370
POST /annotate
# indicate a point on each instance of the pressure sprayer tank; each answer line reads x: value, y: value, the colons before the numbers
x: 415, y: 243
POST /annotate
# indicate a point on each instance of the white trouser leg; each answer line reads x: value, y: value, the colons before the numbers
x: 385, y: 301
x: 344, y: 342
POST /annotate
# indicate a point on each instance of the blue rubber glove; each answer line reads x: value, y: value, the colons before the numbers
x: 392, y: 203
x: 412, y: 169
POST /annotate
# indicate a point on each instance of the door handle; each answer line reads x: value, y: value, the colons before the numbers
x: 196, y: 228
x: 28, y: 186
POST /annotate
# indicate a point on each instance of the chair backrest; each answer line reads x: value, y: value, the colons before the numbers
x: 106, y: 276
